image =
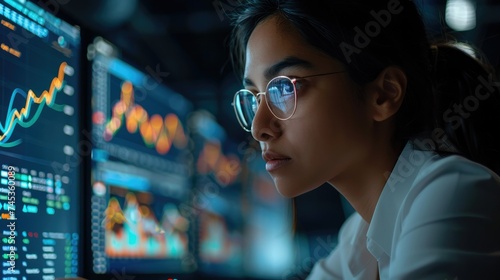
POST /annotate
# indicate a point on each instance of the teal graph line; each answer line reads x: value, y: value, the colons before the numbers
x: 25, y: 121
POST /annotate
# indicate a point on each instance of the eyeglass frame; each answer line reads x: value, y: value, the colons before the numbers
x: 256, y: 95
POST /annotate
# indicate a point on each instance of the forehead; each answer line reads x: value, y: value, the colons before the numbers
x: 274, y: 40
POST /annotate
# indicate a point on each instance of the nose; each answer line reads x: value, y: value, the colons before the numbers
x: 265, y: 125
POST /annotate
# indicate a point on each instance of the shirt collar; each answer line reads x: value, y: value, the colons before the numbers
x: 400, y: 179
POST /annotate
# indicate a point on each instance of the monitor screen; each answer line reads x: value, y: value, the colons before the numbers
x: 218, y: 199
x: 40, y: 147
x: 140, y: 172
x: 269, y: 216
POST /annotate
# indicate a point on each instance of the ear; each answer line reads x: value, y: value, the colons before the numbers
x: 385, y: 94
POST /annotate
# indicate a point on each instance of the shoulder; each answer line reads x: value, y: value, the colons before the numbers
x: 451, y: 183
x: 428, y: 177
x: 439, y: 165
x: 454, y: 175
x: 449, y: 222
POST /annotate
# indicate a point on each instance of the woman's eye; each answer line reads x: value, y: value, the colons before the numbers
x: 299, y: 84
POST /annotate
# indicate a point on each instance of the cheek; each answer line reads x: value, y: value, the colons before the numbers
x: 322, y: 144
x: 333, y: 133
x: 334, y: 115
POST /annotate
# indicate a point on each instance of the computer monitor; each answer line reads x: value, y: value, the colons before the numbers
x: 40, y: 146
x: 269, y: 233
x: 141, y: 171
x: 218, y: 200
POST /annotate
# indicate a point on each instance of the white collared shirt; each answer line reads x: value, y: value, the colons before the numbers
x: 438, y: 217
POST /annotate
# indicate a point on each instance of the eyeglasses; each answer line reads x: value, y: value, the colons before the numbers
x: 281, y: 99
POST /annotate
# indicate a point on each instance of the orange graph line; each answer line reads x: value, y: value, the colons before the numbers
x: 156, y: 131
x: 226, y: 168
x: 31, y: 98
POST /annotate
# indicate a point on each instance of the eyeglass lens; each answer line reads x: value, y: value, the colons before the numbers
x: 280, y: 97
x: 246, y: 107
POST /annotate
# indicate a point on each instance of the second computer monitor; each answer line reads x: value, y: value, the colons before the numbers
x: 141, y: 171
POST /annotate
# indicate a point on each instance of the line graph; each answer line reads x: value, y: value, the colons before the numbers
x: 22, y: 117
x: 156, y: 131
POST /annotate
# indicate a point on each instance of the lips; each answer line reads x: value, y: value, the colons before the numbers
x: 274, y: 160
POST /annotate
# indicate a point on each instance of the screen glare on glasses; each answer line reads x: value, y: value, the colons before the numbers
x: 280, y: 95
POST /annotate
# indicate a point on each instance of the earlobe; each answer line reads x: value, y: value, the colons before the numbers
x: 387, y: 92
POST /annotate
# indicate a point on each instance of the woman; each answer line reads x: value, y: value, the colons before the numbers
x: 354, y: 94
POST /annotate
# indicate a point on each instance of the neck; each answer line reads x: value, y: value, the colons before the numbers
x: 363, y: 183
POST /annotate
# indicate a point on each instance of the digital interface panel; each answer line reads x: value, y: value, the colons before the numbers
x: 218, y: 196
x: 39, y: 144
x: 141, y: 171
x: 269, y: 232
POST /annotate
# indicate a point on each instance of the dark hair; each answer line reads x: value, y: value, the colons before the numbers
x: 451, y: 100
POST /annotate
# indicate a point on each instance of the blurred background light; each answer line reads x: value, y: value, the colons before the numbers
x: 460, y: 15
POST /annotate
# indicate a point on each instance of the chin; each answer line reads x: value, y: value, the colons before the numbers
x: 291, y: 191
x: 293, y: 187
x: 287, y: 193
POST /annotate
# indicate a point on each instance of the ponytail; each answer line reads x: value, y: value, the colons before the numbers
x: 467, y: 103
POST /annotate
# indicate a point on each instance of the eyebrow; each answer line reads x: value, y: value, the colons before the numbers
x: 274, y: 70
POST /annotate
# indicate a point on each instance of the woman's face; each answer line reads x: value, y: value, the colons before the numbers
x: 329, y: 132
